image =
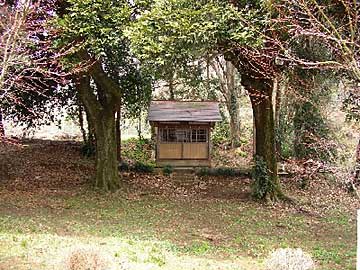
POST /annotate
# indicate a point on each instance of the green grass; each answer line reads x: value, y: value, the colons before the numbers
x: 37, y: 231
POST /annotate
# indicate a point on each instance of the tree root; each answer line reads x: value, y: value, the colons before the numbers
x: 279, y: 196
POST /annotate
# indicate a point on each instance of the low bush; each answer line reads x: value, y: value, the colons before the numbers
x: 135, y: 150
x: 167, y: 170
x: 221, y: 133
x: 142, y: 167
x: 124, y: 166
x: 88, y: 149
x: 221, y: 171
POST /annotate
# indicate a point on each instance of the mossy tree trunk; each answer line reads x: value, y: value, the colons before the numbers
x: 260, y: 91
x: 258, y: 73
x: 101, y: 100
x: 107, y: 176
x: 118, y: 134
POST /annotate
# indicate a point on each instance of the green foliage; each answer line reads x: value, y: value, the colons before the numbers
x: 311, y: 128
x: 303, y: 131
x: 137, y: 153
x: 312, y: 134
x: 156, y: 256
x: 137, y: 150
x: 203, y: 171
x: 124, y: 166
x: 97, y: 27
x: 221, y: 133
x: 198, y: 248
x: 262, y: 183
x: 167, y: 170
x: 138, y: 166
x: 142, y: 167
x: 88, y: 149
x: 96, y: 24
x: 326, y: 255
x: 173, y: 31
x: 221, y: 171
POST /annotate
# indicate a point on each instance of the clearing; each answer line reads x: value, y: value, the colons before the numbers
x: 48, y: 209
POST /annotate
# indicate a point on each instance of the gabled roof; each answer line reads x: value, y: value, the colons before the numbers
x: 193, y: 111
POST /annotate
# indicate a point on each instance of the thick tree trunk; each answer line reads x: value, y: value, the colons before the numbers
x: 118, y: 134
x: 102, y: 120
x: 264, y: 130
x: 107, y: 176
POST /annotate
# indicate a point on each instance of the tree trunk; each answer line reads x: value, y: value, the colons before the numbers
x: 139, y: 128
x: 264, y: 130
x: 90, y: 129
x: 279, y: 89
x: 102, y: 120
x: 234, y: 106
x: 171, y: 84
x: 225, y: 72
x: 107, y: 176
x: 118, y: 134
x: 81, y: 122
x: 234, y: 113
x: 2, y: 129
x: 357, y: 165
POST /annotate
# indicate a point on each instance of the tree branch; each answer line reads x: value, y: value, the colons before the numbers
x: 87, y: 96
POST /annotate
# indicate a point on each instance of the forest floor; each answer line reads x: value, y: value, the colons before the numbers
x: 48, y: 211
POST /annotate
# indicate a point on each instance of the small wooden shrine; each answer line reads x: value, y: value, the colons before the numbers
x: 182, y: 131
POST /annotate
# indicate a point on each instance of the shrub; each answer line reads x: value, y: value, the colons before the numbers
x: 225, y: 171
x: 137, y: 150
x: 203, y: 171
x: 221, y: 171
x: 88, y: 149
x: 289, y: 259
x: 221, y: 133
x: 143, y: 167
x: 167, y: 170
x: 123, y: 166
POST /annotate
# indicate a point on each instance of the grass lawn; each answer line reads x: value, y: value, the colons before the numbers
x: 47, y: 210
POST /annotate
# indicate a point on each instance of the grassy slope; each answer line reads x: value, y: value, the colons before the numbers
x: 47, y: 209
